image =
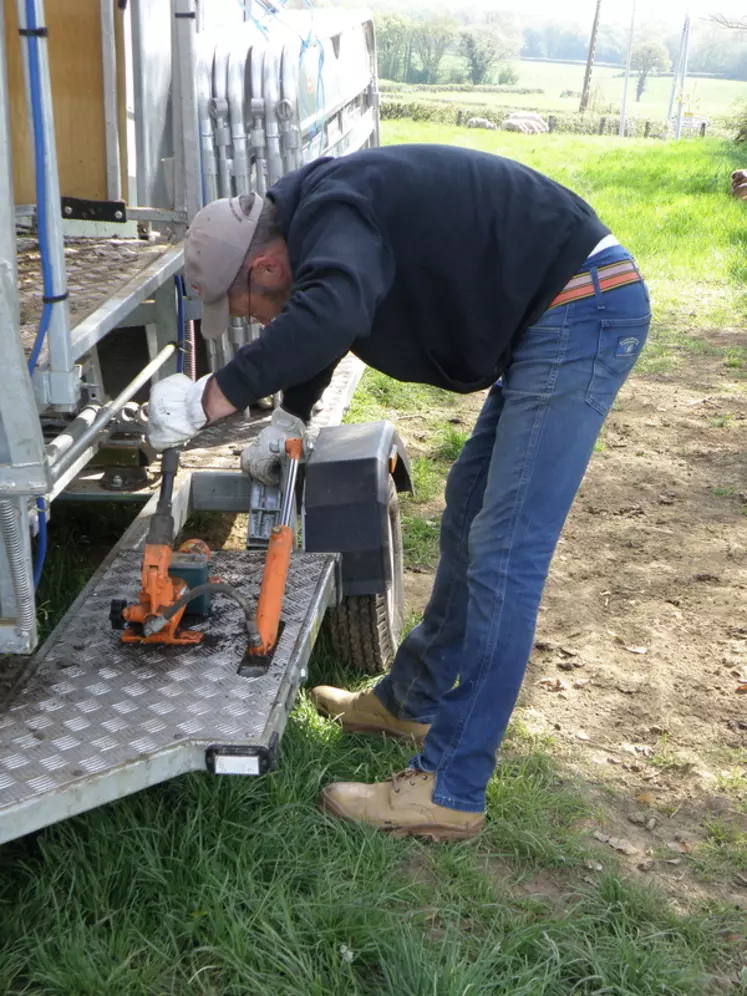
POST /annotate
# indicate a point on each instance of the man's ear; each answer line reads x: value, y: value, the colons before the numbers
x: 272, y: 266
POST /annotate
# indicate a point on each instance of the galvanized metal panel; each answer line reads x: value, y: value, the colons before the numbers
x: 94, y: 719
x: 154, y: 137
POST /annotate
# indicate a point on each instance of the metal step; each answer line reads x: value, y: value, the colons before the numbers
x: 88, y: 720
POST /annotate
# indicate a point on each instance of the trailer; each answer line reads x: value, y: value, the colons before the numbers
x: 118, y: 122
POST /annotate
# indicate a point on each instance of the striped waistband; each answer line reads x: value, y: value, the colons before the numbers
x: 610, y: 278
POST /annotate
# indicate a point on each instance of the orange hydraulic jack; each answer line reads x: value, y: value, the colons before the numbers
x: 159, y: 589
x: 277, y: 562
x: 155, y: 618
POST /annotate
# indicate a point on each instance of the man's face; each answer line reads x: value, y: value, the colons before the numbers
x: 268, y: 287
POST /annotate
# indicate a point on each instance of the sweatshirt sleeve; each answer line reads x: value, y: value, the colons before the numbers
x: 342, y: 270
x: 300, y: 399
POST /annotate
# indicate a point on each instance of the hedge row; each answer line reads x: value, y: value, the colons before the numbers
x: 387, y: 86
x: 453, y: 114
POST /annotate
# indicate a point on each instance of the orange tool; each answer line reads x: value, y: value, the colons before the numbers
x: 159, y: 590
x: 277, y: 562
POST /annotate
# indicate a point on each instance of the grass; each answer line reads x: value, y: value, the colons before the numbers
x: 80, y: 535
x: 668, y: 203
x: 239, y: 887
x: 723, y: 853
x: 708, y: 97
x: 231, y: 887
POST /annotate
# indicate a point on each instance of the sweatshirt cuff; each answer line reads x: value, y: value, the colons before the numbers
x: 234, y: 387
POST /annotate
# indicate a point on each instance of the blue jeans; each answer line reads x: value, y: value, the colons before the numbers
x: 507, y: 498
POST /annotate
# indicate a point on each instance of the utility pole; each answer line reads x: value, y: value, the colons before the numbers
x: 590, y: 60
x: 624, y: 108
x: 683, y: 70
x: 677, y: 74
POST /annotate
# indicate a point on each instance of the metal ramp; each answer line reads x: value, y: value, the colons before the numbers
x: 88, y: 720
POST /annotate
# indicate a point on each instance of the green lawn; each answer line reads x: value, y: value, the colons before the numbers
x: 235, y: 887
x: 709, y: 97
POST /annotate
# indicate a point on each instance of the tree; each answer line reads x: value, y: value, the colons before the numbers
x: 430, y: 41
x: 481, y: 52
x: 648, y: 57
x: 394, y: 35
x: 484, y: 46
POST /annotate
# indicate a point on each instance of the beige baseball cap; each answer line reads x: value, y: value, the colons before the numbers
x: 215, y: 246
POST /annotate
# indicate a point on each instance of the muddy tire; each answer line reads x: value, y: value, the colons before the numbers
x: 365, y: 630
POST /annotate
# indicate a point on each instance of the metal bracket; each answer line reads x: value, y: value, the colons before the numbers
x: 83, y: 209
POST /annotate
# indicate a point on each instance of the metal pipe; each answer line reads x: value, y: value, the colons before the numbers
x: 289, y: 493
x: 207, y: 138
x: 109, y: 66
x: 63, y: 383
x: 219, y: 112
x: 272, y: 98
x: 236, y: 95
x: 20, y: 565
x: 109, y: 411
x: 61, y: 443
x: 258, y: 133
x: 290, y: 127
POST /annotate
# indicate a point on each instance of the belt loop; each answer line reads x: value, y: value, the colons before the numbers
x: 597, y: 288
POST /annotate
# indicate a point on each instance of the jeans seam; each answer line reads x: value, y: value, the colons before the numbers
x: 521, y: 495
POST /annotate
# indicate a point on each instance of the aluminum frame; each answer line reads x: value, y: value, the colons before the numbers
x: 251, y: 77
x: 149, y: 716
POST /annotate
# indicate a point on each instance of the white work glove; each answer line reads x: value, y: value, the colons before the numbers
x: 263, y: 463
x: 175, y: 412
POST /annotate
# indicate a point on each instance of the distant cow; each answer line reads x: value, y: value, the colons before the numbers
x: 526, y: 122
x: 481, y: 123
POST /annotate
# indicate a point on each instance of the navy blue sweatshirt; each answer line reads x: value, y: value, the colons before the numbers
x: 426, y: 261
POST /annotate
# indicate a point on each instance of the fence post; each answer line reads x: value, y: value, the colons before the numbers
x: 702, y: 129
x: 551, y: 122
x: 602, y: 125
x: 459, y: 118
x: 647, y: 129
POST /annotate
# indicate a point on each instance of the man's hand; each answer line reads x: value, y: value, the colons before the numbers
x: 258, y: 460
x: 175, y: 411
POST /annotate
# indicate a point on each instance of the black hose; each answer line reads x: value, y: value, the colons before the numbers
x: 217, y: 588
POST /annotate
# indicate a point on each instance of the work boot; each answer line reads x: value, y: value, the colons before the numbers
x: 362, y: 712
x: 404, y: 805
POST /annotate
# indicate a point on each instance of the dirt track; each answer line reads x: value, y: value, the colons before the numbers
x: 642, y: 640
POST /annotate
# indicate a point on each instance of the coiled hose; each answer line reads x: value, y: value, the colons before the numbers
x: 23, y: 583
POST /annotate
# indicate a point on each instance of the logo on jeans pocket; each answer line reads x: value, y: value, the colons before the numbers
x: 627, y: 346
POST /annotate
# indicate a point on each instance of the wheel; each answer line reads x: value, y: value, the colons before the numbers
x: 365, y: 630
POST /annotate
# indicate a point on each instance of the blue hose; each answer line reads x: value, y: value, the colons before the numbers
x: 41, y: 224
x: 181, y: 334
x: 41, y: 543
x: 39, y: 173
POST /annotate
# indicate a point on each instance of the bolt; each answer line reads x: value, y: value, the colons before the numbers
x: 118, y: 215
x: 68, y: 210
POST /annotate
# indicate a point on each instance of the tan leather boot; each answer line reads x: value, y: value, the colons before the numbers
x: 403, y: 805
x: 362, y: 712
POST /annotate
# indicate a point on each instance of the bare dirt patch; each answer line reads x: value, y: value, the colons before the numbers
x: 641, y: 648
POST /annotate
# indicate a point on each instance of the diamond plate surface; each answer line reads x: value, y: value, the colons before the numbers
x: 92, y: 706
x: 96, y: 270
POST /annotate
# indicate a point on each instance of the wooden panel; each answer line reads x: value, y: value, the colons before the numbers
x: 76, y: 73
